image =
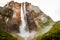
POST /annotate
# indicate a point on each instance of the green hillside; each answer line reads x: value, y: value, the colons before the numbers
x: 6, y: 36
x: 52, y: 34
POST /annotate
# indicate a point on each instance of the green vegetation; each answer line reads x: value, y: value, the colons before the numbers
x: 49, y: 21
x: 52, y: 34
x: 6, y: 36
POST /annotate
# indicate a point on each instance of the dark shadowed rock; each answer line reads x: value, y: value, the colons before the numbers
x: 13, y: 24
x: 5, y: 13
x: 36, y: 18
x: 30, y: 21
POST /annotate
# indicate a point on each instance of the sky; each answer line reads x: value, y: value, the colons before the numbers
x: 49, y: 7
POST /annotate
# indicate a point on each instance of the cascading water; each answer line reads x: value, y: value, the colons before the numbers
x: 23, y: 33
x: 23, y: 22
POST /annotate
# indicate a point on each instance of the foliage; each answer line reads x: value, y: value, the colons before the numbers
x: 6, y: 36
x: 52, y: 34
x: 49, y: 20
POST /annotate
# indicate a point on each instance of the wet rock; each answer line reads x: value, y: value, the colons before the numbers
x: 35, y: 17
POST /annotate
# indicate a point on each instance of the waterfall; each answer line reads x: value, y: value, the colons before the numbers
x: 22, y: 28
x: 23, y: 22
x: 23, y: 25
x: 23, y: 33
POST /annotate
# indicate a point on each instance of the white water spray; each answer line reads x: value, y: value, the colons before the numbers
x: 23, y: 33
x: 23, y: 25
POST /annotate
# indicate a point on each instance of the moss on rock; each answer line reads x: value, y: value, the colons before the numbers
x: 52, y: 34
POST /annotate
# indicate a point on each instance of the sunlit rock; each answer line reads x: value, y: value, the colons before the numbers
x: 16, y: 18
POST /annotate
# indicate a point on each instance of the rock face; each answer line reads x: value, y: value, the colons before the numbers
x: 30, y: 21
x: 5, y: 13
x: 16, y: 18
x: 10, y: 18
x: 16, y: 7
x: 34, y: 16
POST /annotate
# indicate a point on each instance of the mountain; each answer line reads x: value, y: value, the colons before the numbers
x: 52, y: 34
x: 35, y: 18
x: 19, y: 17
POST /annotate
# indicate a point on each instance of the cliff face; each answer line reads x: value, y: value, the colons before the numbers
x: 13, y: 24
x: 5, y: 13
x: 11, y: 18
x: 34, y: 16
x: 16, y: 7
